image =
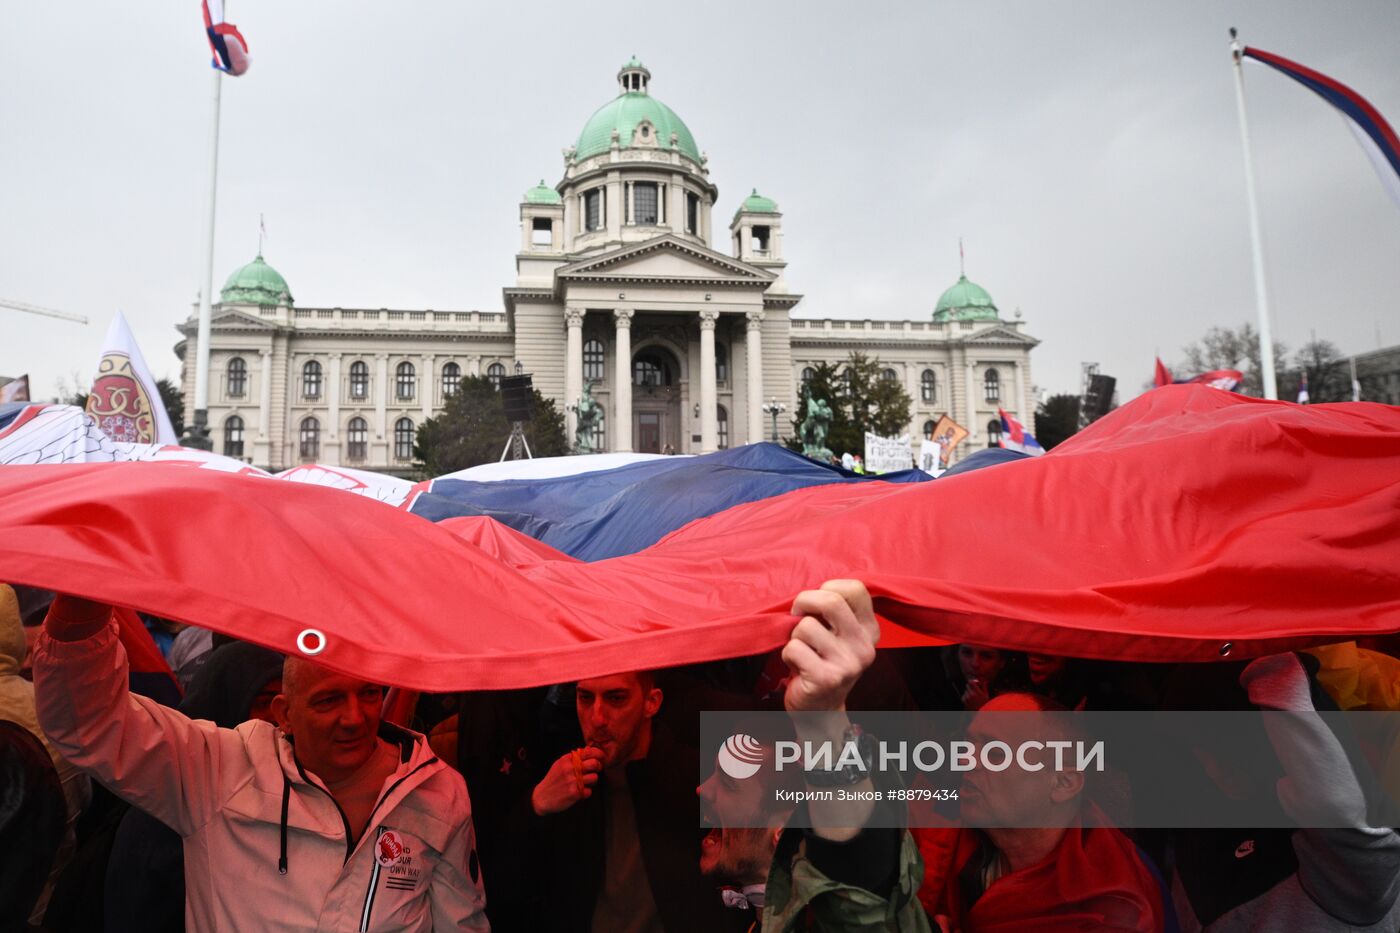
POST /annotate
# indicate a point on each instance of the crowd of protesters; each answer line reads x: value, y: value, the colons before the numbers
x: 283, y: 795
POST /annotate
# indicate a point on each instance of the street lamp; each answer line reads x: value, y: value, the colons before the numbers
x: 774, y: 408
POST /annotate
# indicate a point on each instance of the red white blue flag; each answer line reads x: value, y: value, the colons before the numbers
x: 1014, y: 436
x: 1370, y: 128
x: 225, y: 41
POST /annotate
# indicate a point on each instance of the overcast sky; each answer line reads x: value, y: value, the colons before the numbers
x: 1088, y: 153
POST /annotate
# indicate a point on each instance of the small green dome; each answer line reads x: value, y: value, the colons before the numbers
x: 257, y: 283
x: 624, y: 112
x: 758, y: 204
x: 542, y: 194
x: 965, y: 301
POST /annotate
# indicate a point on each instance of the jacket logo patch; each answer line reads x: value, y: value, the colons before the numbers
x: 391, y: 850
x: 1245, y: 849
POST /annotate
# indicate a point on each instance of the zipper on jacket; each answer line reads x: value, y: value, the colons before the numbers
x: 349, y: 835
x: 373, y: 883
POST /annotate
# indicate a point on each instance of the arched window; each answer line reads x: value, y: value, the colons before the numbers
x: 237, y: 377
x: 233, y: 437
x: 403, y: 439
x: 600, y: 435
x: 311, y: 380
x: 991, y: 386
x: 722, y: 434
x: 496, y: 372
x: 310, y: 447
x: 593, y: 360
x: 359, y: 379
x: 928, y: 386
x: 405, y: 381
x: 451, y: 380
x: 721, y: 363
x: 928, y: 430
x: 994, y: 433
x: 651, y: 369
x: 890, y: 375
x: 357, y: 439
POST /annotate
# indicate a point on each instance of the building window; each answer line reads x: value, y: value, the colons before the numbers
x: 359, y: 379
x: 758, y: 236
x: 593, y: 360
x: 721, y: 363
x: 692, y: 213
x: 311, y: 380
x: 233, y: 437
x: 403, y: 439
x: 649, y: 369
x: 994, y: 433
x: 722, y: 433
x: 928, y: 430
x: 600, y: 435
x: 495, y: 373
x: 541, y: 232
x: 405, y: 381
x: 357, y: 439
x: 644, y: 202
x: 991, y: 386
x: 310, y: 447
x: 237, y: 377
x: 928, y: 386
x: 808, y: 374
x: 451, y: 380
x: 593, y: 209
x: 890, y: 375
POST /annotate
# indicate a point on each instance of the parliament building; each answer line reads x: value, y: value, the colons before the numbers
x: 618, y: 284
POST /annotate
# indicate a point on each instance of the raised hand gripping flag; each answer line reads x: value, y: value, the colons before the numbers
x: 1366, y: 123
x: 1014, y: 436
x: 225, y: 41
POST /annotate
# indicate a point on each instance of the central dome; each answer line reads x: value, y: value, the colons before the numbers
x: 623, y: 114
x: 965, y: 301
x: 256, y: 283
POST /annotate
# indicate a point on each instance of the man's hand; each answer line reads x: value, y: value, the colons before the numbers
x: 570, y: 779
x: 830, y: 647
x: 72, y: 618
x: 975, y: 696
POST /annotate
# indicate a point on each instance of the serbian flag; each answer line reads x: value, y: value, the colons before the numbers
x: 1014, y: 436
x: 1227, y: 379
x: 1161, y: 376
x: 125, y: 401
x: 1370, y: 128
x: 1303, y: 390
x: 225, y: 41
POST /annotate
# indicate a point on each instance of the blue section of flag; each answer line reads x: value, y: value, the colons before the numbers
x: 594, y: 516
x: 9, y: 411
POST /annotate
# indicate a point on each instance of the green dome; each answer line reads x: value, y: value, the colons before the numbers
x: 623, y: 113
x: 542, y: 194
x: 257, y: 283
x: 965, y: 301
x: 758, y: 204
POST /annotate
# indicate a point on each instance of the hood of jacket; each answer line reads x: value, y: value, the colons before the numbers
x: 12, y: 646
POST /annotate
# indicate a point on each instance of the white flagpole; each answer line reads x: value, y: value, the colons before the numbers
x: 199, y: 431
x: 1266, y: 339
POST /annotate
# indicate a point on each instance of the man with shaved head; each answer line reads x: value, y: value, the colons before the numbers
x: 328, y: 820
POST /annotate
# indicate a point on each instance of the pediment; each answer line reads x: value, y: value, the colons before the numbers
x: 665, y: 259
x: 1000, y: 336
x: 234, y: 319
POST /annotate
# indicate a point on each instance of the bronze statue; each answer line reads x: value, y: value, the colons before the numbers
x: 814, y: 428
x: 590, y: 415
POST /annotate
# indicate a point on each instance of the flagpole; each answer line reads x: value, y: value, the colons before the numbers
x: 199, y: 432
x: 1266, y: 339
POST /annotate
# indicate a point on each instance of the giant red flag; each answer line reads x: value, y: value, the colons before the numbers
x: 1190, y: 524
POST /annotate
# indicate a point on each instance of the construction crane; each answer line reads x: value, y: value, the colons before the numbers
x: 46, y: 312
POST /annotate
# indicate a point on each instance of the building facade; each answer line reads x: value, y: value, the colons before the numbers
x: 618, y: 287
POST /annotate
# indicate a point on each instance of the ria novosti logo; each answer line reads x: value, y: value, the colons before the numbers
x: 740, y: 756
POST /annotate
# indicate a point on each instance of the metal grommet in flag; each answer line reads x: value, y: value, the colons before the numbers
x: 311, y: 642
x: 1226, y: 648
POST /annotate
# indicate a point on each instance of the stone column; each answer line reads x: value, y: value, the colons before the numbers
x: 265, y: 395
x: 473, y: 366
x: 381, y: 394
x: 333, y: 397
x: 622, y: 393
x: 573, y: 369
x: 429, y: 386
x: 755, y: 383
x: 709, y: 394
x: 1026, y: 417
x: 972, y: 425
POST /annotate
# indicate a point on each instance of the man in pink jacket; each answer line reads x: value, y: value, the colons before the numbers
x: 329, y: 820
